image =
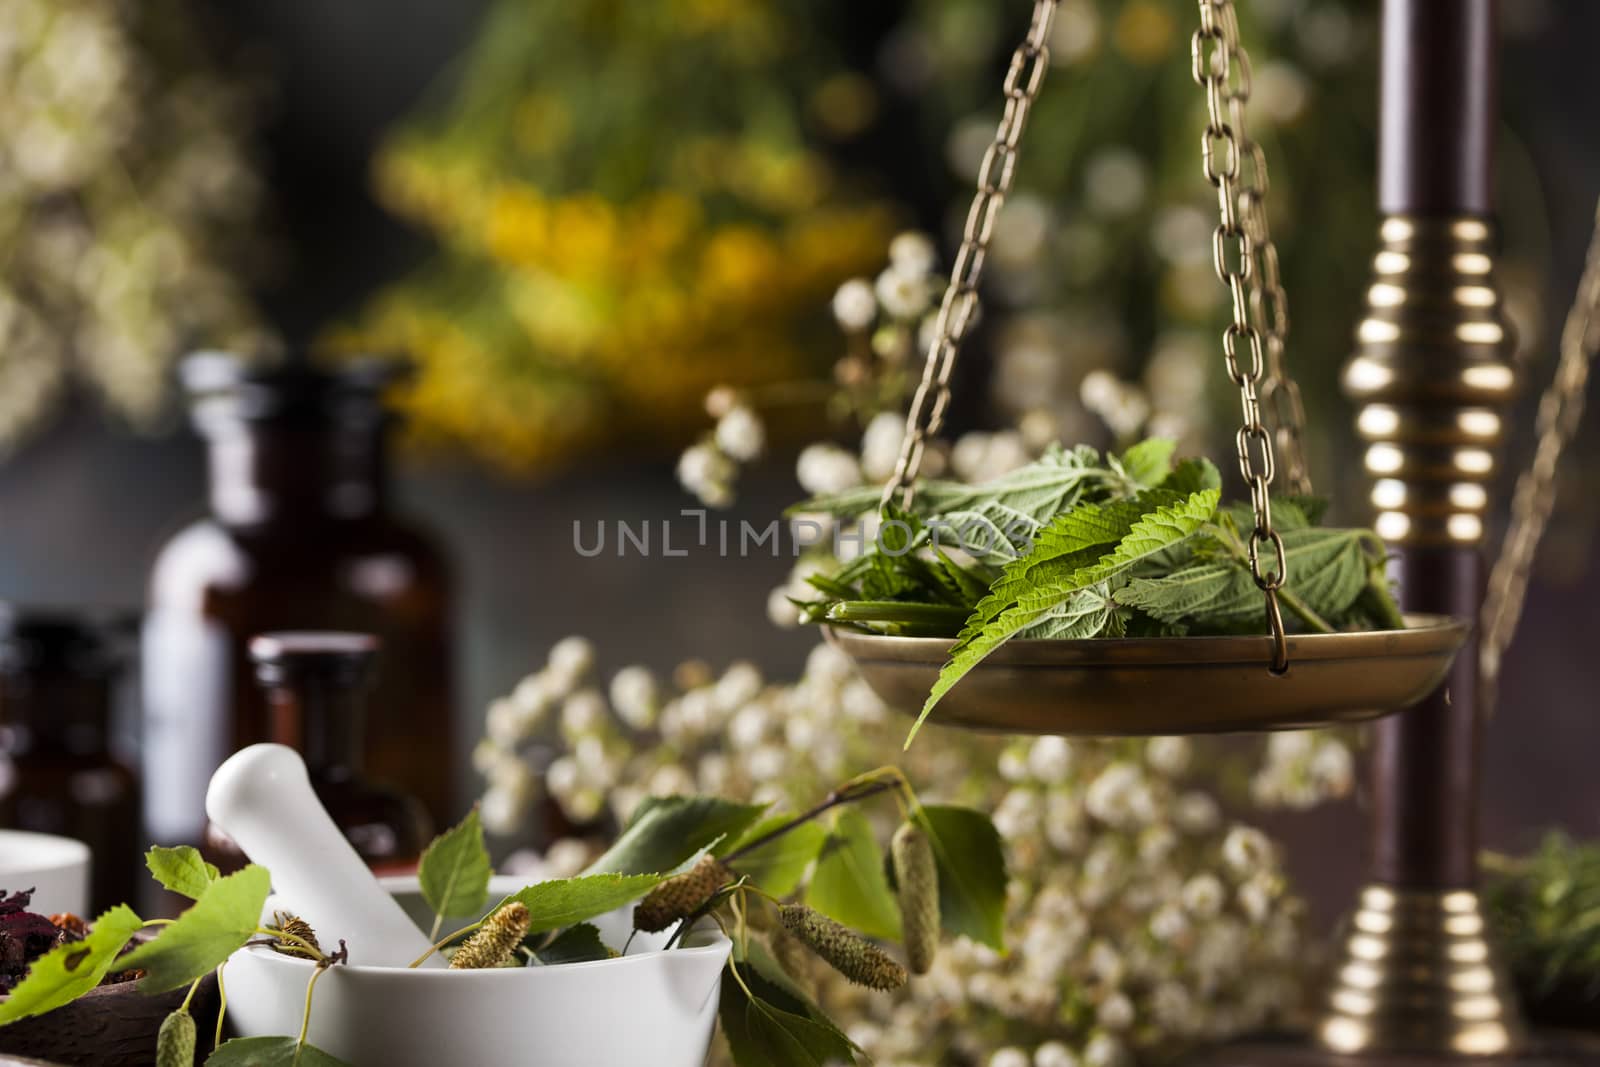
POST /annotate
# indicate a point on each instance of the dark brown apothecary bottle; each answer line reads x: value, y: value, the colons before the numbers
x: 58, y: 771
x: 300, y: 537
x: 317, y: 685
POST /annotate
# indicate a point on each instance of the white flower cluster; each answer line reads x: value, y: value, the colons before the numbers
x: 884, y: 321
x: 120, y: 175
x: 1303, y: 769
x: 708, y: 467
x: 1140, y: 917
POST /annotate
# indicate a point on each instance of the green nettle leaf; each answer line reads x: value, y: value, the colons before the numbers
x: 1082, y: 548
x: 772, y: 1023
x: 575, y: 944
x: 68, y: 971
x: 1088, y: 613
x: 972, y: 872
x: 1327, y: 570
x: 563, y: 902
x: 666, y: 831
x: 215, y: 927
x: 849, y: 883
x: 455, y: 869
x: 181, y: 870
x: 270, y: 1052
x: 779, y: 865
x: 1149, y: 462
x: 1050, y: 484
x: 1193, y: 475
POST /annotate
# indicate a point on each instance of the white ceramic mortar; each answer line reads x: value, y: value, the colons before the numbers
x: 650, y: 1008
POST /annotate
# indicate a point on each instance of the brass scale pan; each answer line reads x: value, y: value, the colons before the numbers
x: 1123, y: 687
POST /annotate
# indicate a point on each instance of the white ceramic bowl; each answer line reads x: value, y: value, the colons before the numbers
x: 650, y: 1007
x: 56, y: 868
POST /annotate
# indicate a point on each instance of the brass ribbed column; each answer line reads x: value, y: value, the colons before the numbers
x: 1432, y: 372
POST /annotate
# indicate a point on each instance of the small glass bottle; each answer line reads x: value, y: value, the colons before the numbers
x: 301, y: 535
x: 58, y: 771
x: 316, y: 686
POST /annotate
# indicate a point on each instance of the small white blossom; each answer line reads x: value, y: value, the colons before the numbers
x: 880, y: 445
x: 705, y: 472
x: 1113, y: 796
x: 501, y: 811
x: 1050, y: 760
x: 854, y: 305
x: 741, y: 435
x: 1196, y: 813
x: 902, y: 295
x: 1103, y: 1050
x: 503, y: 724
x: 1013, y: 765
x: 781, y: 611
x: 1169, y: 755
x: 1054, y: 1054
x: 823, y: 469
x: 562, y: 777
x: 670, y: 780
x: 1009, y: 1057
x: 912, y: 253
x: 1246, y: 851
x: 739, y: 684
x: 1115, y: 1012
x: 570, y: 659
x: 1203, y: 896
x: 582, y: 714
x: 635, y: 696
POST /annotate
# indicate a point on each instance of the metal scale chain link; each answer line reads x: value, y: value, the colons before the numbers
x: 960, y: 304
x: 1560, y: 412
x: 1222, y: 69
x: 1269, y: 303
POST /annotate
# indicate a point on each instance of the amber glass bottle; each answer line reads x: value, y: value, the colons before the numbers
x: 58, y: 773
x: 300, y: 537
x: 317, y: 685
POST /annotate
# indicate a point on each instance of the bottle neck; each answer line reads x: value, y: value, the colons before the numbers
x: 54, y: 714
x: 261, y: 474
x: 323, y: 722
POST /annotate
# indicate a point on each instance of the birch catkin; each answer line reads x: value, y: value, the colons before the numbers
x: 844, y: 950
x: 680, y: 896
x: 916, y: 878
x: 496, y: 940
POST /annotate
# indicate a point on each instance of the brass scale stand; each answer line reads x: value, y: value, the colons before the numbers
x: 1417, y: 982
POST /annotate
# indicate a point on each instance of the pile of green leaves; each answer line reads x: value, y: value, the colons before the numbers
x: 1545, y: 907
x: 1080, y: 545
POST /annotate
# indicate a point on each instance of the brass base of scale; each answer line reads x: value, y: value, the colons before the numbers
x: 1416, y: 985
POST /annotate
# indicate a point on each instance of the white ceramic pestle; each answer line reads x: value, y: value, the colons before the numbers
x: 262, y: 798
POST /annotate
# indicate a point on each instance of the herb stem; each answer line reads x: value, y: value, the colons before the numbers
x: 190, y: 995
x: 1302, y: 609
x: 305, y: 1018
x: 868, y: 785
x: 443, y: 941
x: 222, y: 1005
x: 1377, y: 599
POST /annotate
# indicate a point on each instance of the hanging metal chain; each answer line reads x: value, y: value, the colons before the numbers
x: 958, y: 310
x: 1269, y: 304
x: 1560, y: 412
x: 1221, y: 68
